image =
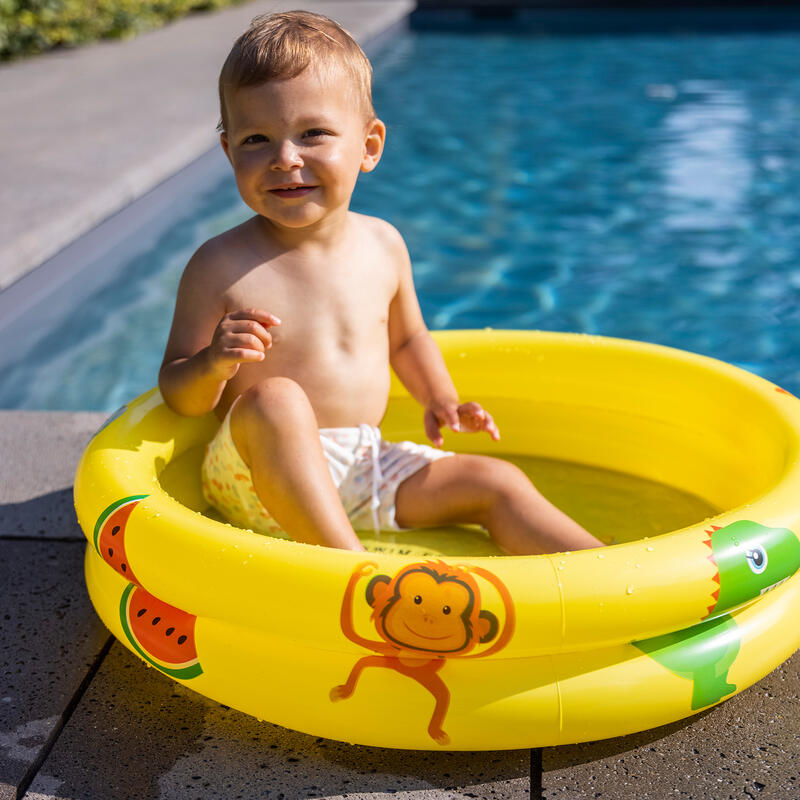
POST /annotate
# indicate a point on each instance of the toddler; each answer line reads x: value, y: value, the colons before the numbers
x: 287, y: 324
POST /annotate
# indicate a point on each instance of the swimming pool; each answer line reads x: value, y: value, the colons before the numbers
x: 644, y: 186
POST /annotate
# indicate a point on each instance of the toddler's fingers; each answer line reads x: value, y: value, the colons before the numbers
x: 258, y: 314
x: 251, y: 329
x: 479, y: 419
x: 241, y: 355
x: 451, y: 418
x: 227, y: 363
x: 490, y: 427
x: 432, y: 428
x: 241, y: 341
x: 473, y: 415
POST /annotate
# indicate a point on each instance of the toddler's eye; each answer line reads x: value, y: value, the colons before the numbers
x: 255, y: 138
x: 315, y: 133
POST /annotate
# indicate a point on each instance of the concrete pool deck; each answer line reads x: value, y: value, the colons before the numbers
x: 80, y: 716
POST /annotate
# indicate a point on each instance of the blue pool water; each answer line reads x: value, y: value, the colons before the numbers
x: 643, y: 186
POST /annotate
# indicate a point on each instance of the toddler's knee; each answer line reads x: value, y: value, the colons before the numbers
x: 505, y: 480
x: 497, y: 483
x: 497, y: 473
x: 274, y: 401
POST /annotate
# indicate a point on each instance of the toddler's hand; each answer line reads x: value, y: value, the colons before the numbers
x: 240, y: 337
x: 475, y: 419
x: 468, y: 417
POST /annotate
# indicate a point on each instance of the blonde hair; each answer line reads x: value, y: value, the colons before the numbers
x: 281, y: 46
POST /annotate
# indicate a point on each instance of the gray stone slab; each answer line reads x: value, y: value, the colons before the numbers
x: 748, y: 747
x: 40, y: 451
x: 50, y: 639
x: 84, y: 132
x: 137, y: 735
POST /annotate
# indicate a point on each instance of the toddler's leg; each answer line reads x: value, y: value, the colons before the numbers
x: 493, y: 493
x: 275, y: 431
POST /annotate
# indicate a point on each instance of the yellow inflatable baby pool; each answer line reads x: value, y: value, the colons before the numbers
x: 517, y: 651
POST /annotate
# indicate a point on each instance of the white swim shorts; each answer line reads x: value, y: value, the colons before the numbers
x: 365, y: 469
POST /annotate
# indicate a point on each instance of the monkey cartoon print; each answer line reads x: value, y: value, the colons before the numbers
x: 425, y: 614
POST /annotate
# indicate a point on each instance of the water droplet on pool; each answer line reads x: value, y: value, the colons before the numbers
x: 629, y: 590
x: 650, y: 549
x: 735, y: 542
x: 638, y: 566
x: 600, y: 555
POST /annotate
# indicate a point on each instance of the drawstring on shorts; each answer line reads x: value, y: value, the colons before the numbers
x: 373, y: 437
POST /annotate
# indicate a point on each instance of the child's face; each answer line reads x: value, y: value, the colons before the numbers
x: 298, y: 145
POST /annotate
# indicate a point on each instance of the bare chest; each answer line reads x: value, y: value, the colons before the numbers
x: 343, y: 310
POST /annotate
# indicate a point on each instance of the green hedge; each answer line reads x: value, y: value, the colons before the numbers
x: 32, y: 26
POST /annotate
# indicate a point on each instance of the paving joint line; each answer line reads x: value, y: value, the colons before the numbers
x: 27, y: 538
x: 536, y: 772
x: 36, y: 765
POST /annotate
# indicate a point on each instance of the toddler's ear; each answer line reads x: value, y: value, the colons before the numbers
x: 223, y: 140
x: 373, y: 145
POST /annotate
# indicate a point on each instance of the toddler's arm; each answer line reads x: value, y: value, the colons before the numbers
x: 418, y: 362
x: 421, y: 368
x: 206, y: 345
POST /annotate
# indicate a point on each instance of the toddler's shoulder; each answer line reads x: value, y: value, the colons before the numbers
x: 216, y: 257
x: 385, y: 234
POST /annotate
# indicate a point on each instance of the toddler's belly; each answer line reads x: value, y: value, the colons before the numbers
x: 349, y: 398
x: 346, y: 393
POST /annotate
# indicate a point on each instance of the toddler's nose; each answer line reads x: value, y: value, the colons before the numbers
x: 286, y: 156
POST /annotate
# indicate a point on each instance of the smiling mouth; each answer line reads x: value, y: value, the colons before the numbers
x: 292, y: 191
